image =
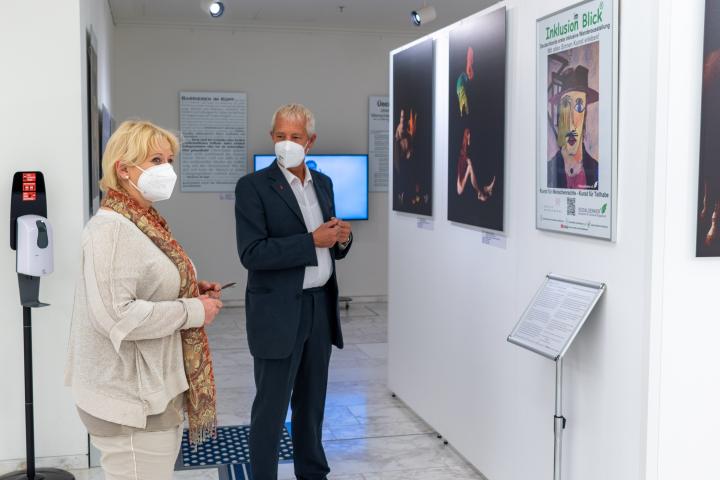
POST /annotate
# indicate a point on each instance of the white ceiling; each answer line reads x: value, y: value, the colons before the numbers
x: 365, y: 15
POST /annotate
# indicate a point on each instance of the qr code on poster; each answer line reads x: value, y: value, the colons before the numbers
x: 571, y: 206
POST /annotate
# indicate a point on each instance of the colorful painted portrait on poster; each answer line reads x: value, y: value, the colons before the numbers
x: 476, y: 121
x: 573, y: 77
x: 412, y: 100
x: 708, y: 211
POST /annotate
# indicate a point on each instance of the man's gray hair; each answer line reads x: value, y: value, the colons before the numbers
x: 295, y: 111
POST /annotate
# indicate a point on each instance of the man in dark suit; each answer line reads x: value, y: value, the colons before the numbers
x: 288, y: 239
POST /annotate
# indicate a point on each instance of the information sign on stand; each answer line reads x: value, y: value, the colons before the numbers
x: 548, y: 327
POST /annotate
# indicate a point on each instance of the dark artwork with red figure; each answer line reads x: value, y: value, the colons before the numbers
x: 708, y: 216
x: 412, y: 99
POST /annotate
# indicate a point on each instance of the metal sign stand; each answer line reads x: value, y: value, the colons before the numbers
x: 560, y: 420
x: 542, y: 331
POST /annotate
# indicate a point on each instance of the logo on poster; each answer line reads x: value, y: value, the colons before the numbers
x: 559, y: 29
x: 591, y: 18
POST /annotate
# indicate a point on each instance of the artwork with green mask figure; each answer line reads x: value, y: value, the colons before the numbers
x: 476, y: 120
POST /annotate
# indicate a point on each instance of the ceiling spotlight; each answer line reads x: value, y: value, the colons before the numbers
x: 423, y: 16
x: 216, y: 9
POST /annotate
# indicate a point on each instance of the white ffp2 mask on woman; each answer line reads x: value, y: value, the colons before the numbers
x: 156, y: 183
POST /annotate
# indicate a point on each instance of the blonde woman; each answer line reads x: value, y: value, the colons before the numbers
x: 138, y: 354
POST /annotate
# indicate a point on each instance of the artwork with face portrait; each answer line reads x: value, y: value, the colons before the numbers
x: 412, y: 101
x: 708, y: 211
x: 573, y: 118
x: 476, y: 121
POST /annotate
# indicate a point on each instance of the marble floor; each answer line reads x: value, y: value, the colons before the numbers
x: 368, y: 434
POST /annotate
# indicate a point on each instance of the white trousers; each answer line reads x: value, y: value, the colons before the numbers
x: 140, y: 455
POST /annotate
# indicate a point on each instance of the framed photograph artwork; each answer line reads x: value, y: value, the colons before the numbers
x: 708, y: 209
x: 476, y: 121
x: 412, y: 128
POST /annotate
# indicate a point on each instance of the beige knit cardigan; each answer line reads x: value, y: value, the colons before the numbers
x: 124, y: 358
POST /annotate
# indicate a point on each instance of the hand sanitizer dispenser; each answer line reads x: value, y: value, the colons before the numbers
x: 34, y: 246
x: 31, y: 235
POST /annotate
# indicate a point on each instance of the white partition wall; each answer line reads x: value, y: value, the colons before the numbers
x: 684, y: 419
x: 42, y: 120
x: 40, y: 126
x: 453, y: 300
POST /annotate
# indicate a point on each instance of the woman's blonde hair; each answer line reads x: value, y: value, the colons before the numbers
x: 130, y: 145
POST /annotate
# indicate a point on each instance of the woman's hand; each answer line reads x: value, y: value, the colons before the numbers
x: 211, y: 289
x: 212, y: 308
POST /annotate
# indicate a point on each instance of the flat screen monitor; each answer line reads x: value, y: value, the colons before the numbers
x: 349, y: 174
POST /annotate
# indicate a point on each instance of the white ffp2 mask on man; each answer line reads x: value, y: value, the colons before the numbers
x: 289, y: 154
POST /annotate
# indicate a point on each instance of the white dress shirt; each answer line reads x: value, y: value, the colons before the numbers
x: 313, y: 217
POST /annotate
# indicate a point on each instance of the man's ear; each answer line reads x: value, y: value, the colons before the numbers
x: 311, y: 142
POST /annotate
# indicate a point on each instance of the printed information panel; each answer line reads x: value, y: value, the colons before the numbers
x: 213, y: 153
x: 556, y: 315
x: 379, y: 142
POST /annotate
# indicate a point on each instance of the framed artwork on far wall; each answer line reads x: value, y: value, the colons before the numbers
x: 107, y: 127
x: 412, y: 99
x: 93, y: 126
x: 577, y: 84
x: 476, y: 121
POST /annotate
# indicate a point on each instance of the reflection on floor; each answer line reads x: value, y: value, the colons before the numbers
x: 369, y: 435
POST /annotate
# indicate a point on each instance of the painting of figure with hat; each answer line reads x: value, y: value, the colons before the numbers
x: 573, y: 118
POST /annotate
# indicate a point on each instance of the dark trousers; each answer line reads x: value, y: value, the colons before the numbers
x: 300, y: 379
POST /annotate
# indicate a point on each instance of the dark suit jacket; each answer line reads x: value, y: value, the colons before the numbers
x: 275, y: 247
x: 556, y: 171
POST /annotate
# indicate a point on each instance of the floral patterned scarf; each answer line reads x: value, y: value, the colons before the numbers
x: 200, y: 401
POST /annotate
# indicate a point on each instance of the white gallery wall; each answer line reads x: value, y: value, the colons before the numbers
x: 331, y: 72
x: 41, y: 127
x: 684, y: 419
x: 454, y: 300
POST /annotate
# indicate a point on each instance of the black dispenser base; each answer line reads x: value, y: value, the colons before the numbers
x: 40, y: 474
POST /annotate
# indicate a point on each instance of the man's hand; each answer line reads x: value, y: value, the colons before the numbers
x: 345, y: 229
x: 327, y: 234
x: 211, y: 289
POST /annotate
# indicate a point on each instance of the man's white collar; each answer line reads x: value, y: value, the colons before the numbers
x: 290, y: 177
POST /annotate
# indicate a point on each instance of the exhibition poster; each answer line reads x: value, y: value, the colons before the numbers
x: 476, y: 121
x: 213, y: 151
x: 412, y: 123
x: 708, y: 211
x: 576, y: 119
